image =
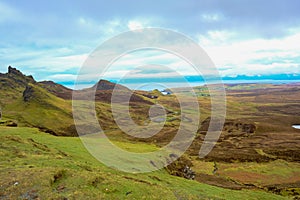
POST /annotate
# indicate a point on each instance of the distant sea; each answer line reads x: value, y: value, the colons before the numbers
x: 192, y: 81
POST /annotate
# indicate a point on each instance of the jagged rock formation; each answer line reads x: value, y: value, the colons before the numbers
x: 14, y: 79
x: 28, y: 93
x: 19, y: 77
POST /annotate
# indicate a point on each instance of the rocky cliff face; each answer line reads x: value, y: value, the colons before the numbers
x: 28, y: 93
x: 14, y: 71
x: 19, y: 77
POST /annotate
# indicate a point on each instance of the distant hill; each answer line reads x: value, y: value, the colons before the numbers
x: 57, y: 89
x: 47, y: 105
x: 28, y: 104
x: 103, y: 91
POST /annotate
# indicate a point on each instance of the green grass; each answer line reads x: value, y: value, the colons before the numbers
x: 44, y: 110
x: 275, y: 172
x: 37, y: 164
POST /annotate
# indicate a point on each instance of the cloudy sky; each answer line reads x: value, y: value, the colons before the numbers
x: 52, y: 39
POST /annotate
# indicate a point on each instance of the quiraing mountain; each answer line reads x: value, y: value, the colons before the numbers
x: 48, y: 105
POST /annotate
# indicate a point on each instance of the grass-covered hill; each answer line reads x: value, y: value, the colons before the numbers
x: 25, y: 102
x: 36, y: 165
x: 256, y: 156
x: 47, y: 105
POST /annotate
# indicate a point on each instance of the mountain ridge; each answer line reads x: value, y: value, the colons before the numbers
x: 47, y: 105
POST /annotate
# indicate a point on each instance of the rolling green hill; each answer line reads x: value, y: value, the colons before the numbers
x: 35, y: 165
x: 256, y: 156
x: 47, y: 105
x: 27, y: 104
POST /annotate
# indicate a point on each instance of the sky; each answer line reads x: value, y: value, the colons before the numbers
x: 51, y: 39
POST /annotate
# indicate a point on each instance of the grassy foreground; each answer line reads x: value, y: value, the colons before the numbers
x: 36, y: 165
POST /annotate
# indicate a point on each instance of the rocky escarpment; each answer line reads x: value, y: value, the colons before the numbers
x: 14, y: 79
x: 19, y: 77
x: 28, y: 93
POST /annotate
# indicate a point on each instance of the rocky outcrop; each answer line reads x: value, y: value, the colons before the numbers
x: 181, y: 167
x: 14, y: 80
x: 188, y: 173
x: 28, y: 93
x: 14, y: 71
x: 19, y: 77
x: 9, y: 123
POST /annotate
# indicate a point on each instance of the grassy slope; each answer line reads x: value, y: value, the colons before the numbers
x: 43, y: 110
x: 49, y: 112
x: 36, y: 164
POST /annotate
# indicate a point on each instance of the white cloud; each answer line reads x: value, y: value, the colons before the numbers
x: 133, y: 25
x: 149, y: 63
x: 212, y: 17
x: 256, y: 56
x: 231, y: 52
x: 42, y: 62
